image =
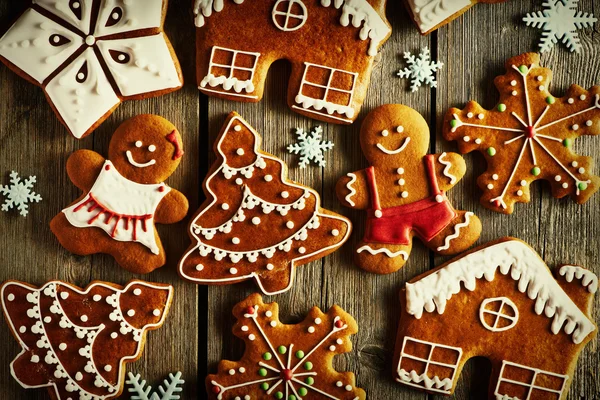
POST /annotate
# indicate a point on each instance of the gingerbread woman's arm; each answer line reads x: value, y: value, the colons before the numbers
x: 172, y: 209
x: 449, y: 169
x: 83, y: 168
x: 353, y: 190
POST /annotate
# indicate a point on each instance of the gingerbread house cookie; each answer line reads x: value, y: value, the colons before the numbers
x: 76, y: 342
x: 90, y: 55
x: 501, y: 302
x: 331, y: 46
x: 256, y: 223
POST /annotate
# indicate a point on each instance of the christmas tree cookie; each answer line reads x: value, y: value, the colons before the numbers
x: 76, y: 342
x: 529, y: 136
x: 291, y: 362
x: 255, y: 223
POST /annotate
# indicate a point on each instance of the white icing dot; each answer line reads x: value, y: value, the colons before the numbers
x: 11, y: 297
x: 401, y: 182
x: 480, y: 116
x: 400, y: 129
x: 269, y: 314
x: 251, y: 336
x: 542, y: 88
x: 115, y: 15
x: 268, y: 178
x: 225, y: 206
x: 23, y: 329
x: 239, y: 152
x: 490, y: 186
x: 156, y: 312
x: 520, y: 193
x: 588, y: 123
x: 273, y: 324
x: 558, y: 178
x: 107, y: 368
x: 575, y: 127
x: 466, y: 138
x: 513, y: 83
x: 241, y: 370
x: 235, y: 240
x: 311, y: 329
x: 131, y: 313
x: 478, y: 141
x: 78, y: 376
x: 289, y: 225
x: 470, y: 115
x: 237, y: 128
x: 199, y: 267
x: 385, y: 132
x: 495, y: 177
x: 152, y: 148
x: 348, y: 388
x: 245, y: 328
x: 285, y: 195
x: 233, y: 271
x: 256, y: 220
x: 339, y: 341
x: 523, y: 183
x: 439, y: 198
x: 581, y: 170
x: 302, y: 250
x: 64, y: 295
x: 571, y: 100
x: 400, y: 171
x: 332, y: 348
x: 121, y: 57
x: 239, y: 181
x: 339, y: 384
x: 583, y: 97
x: 565, y: 185
x: 270, y: 267
x: 540, y: 78
x: 35, y: 359
x: 232, y: 371
x: 514, y: 93
x: 114, y: 335
x: 404, y: 194
x: 84, y: 318
x: 378, y: 213
x: 335, y: 232
x: 62, y: 346
x: 80, y: 76
x: 97, y: 297
x: 47, y: 320
x: 137, y: 291
x: 574, y: 164
x: 76, y: 5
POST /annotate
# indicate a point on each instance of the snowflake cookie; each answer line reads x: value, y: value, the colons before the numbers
x: 77, y: 342
x: 170, y: 391
x: 420, y: 70
x: 90, y: 55
x: 560, y: 20
x: 529, y: 136
x: 290, y: 362
x: 256, y: 223
x: 311, y: 147
x: 19, y: 194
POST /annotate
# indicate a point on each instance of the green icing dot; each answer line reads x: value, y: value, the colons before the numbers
x: 282, y: 349
x: 267, y: 356
x: 279, y: 395
x: 567, y: 142
x: 291, y: 397
x: 454, y: 123
x: 308, y: 365
x: 491, y: 151
x: 302, y: 391
x: 535, y: 171
x: 264, y: 386
x: 501, y: 107
x: 582, y: 186
x: 550, y: 100
x: 523, y: 69
x: 309, y: 380
x: 262, y: 372
x: 300, y: 354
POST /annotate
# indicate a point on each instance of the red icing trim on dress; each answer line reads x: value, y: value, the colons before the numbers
x: 172, y: 138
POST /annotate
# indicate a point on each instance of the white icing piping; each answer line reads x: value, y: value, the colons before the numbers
x: 350, y: 189
x: 524, y: 265
x: 384, y: 250
x: 318, y: 104
x: 137, y: 164
x: 456, y: 233
x: 530, y: 386
x: 228, y: 83
x: 448, y: 165
x: 500, y: 314
x: 412, y: 376
x: 362, y: 13
x: 204, y: 8
x: 430, y: 13
x: 587, y: 277
x: 214, y: 200
x: 398, y: 150
x: 25, y: 348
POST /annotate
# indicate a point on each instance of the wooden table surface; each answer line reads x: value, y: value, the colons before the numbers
x: 473, y: 50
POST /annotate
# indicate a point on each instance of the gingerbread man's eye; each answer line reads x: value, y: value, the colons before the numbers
x: 385, y: 132
x: 400, y: 129
x: 152, y: 148
x: 138, y: 144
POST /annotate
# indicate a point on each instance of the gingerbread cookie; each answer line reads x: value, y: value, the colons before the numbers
x: 404, y: 192
x: 429, y: 15
x: 331, y: 46
x: 76, y: 342
x: 255, y: 223
x: 287, y: 361
x: 501, y: 302
x: 124, y: 196
x: 90, y: 55
x: 528, y: 136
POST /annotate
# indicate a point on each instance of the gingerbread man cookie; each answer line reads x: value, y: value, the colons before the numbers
x: 404, y: 192
x: 256, y: 223
x: 499, y: 301
x: 528, y: 136
x: 290, y: 362
x: 76, y: 342
x: 124, y: 196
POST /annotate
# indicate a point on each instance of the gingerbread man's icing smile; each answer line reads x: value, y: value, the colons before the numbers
x: 138, y: 144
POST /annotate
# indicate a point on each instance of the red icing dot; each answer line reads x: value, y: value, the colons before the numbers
x: 250, y: 310
x: 497, y: 203
x: 161, y: 189
x: 339, y: 323
x: 287, y: 374
x: 107, y: 167
x: 216, y: 389
x: 530, y: 132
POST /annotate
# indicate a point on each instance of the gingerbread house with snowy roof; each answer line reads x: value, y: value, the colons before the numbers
x: 501, y: 302
x: 330, y: 44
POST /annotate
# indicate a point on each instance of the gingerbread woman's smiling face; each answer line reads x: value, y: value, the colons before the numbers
x: 392, y: 134
x: 146, y: 149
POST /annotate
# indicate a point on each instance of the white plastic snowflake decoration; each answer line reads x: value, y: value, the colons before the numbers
x: 310, y: 147
x: 167, y: 393
x: 560, y: 20
x: 420, y: 70
x: 19, y: 194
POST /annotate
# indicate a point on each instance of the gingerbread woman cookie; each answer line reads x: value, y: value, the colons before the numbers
x: 256, y: 223
x: 499, y: 301
x: 290, y: 362
x: 529, y: 136
x: 124, y: 196
x: 76, y: 342
x: 404, y: 192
